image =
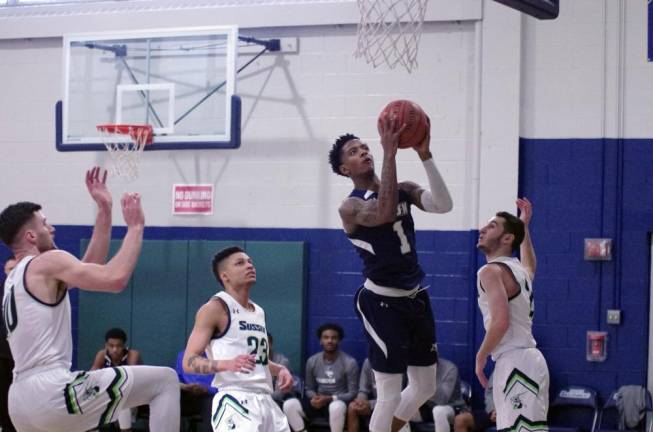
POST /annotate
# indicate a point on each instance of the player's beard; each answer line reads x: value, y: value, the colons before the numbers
x: 47, y: 246
x: 488, y: 245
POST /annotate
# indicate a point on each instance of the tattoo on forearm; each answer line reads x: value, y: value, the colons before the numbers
x: 388, y: 195
x: 200, y: 364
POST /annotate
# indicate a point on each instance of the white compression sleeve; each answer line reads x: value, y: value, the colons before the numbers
x: 437, y: 199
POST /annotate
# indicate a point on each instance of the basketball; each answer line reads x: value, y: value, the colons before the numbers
x: 417, y: 122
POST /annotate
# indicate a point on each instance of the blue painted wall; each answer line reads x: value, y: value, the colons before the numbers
x: 334, y: 275
x: 591, y: 188
x: 581, y: 188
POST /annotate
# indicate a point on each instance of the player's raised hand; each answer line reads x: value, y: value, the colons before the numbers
x: 96, y: 183
x: 525, y: 210
x: 284, y: 380
x: 243, y: 363
x: 391, y: 130
x: 423, y: 149
x: 132, y: 211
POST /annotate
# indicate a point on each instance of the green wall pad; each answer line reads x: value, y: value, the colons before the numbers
x: 173, y: 279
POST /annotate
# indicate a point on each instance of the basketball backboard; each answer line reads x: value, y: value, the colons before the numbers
x: 181, y: 81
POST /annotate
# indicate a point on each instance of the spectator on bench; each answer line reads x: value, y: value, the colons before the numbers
x: 331, y: 383
x: 447, y: 408
x: 116, y: 353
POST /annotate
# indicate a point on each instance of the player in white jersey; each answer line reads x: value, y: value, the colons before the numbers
x: 45, y: 395
x: 505, y: 297
x: 231, y: 329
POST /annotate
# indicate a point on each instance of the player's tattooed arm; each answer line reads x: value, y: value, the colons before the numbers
x: 201, y: 365
x: 210, y: 318
x: 388, y: 195
x: 355, y: 212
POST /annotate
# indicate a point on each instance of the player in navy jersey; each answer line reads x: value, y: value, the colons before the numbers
x: 394, y: 308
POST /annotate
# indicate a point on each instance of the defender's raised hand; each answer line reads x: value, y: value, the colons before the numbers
x: 525, y: 210
x: 132, y: 211
x: 96, y: 183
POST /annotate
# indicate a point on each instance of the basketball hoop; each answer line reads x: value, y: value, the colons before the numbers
x: 125, y: 143
x: 389, y: 31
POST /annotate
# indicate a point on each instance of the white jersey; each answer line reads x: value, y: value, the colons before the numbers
x: 245, y: 334
x: 519, y: 333
x: 39, y: 333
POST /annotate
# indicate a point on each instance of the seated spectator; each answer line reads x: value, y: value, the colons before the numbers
x: 361, y: 407
x: 278, y: 395
x: 331, y: 383
x: 196, y: 394
x: 116, y: 353
x: 447, y: 407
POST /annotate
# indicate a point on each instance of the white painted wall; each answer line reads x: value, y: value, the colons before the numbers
x: 293, y: 108
x: 586, y: 74
x: 483, y: 83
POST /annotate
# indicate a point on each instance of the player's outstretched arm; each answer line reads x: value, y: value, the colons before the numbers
x: 111, y: 277
x: 526, y: 249
x: 437, y: 199
x: 98, y: 247
x: 388, y: 195
x: 356, y: 212
x: 497, y: 296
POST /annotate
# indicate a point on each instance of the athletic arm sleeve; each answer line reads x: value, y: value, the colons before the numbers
x: 437, y: 199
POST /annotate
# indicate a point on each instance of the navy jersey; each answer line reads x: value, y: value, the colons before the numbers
x: 388, y: 250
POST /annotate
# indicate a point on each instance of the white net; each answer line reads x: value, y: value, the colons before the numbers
x: 125, y: 144
x: 389, y: 31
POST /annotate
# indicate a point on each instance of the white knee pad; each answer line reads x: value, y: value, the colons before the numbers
x: 388, y: 394
x: 421, y: 387
x: 292, y: 408
x: 337, y: 414
x: 443, y: 417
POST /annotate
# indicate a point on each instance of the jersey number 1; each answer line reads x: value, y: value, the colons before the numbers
x: 403, y: 240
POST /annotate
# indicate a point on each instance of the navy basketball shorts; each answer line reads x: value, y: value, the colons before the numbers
x: 400, y: 330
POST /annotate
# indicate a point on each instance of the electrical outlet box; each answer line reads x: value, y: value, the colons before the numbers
x: 614, y: 316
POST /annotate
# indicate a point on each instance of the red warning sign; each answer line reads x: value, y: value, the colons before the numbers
x: 192, y: 199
